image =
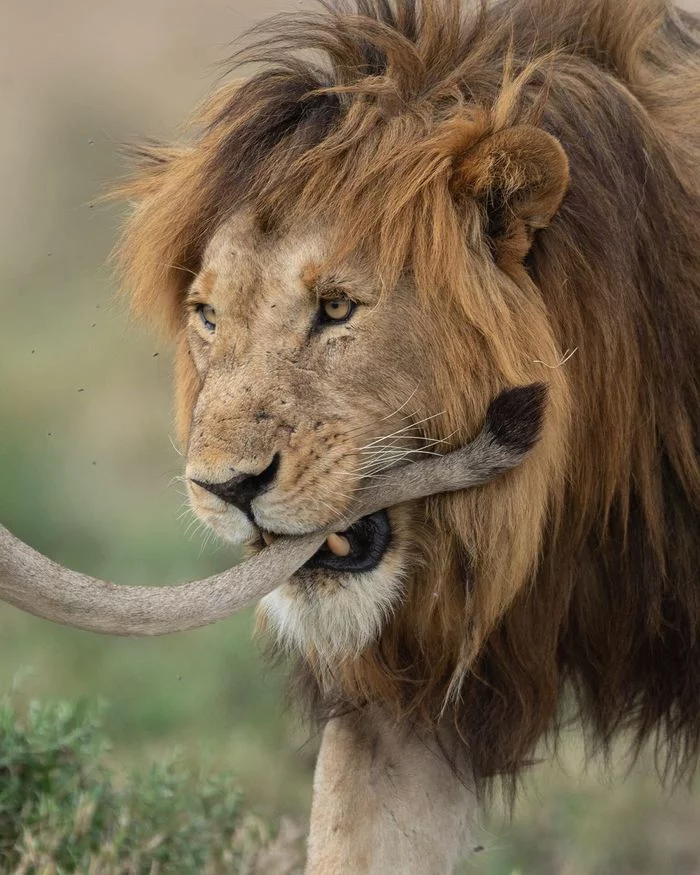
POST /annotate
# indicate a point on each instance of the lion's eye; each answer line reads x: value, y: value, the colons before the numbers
x: 208, y: 316
x: 337, y: 309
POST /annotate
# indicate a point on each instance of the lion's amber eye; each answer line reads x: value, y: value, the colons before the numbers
x: 208, y: 316
x: 337, y: 309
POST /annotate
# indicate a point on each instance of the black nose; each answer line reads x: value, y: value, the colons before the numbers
x: 241, y: 489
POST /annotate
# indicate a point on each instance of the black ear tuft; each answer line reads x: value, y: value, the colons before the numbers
x: 515, y: 417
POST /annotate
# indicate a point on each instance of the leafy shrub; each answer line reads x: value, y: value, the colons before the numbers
x: 63, y: 810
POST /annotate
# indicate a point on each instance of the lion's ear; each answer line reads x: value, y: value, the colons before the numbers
x: 519, y: 176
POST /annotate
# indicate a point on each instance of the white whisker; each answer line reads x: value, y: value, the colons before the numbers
x: 567, y: 355
x: 174, y: 446
x: 406, y: 428
x: 414, y: 437
x: 399, y: 409
x: 370, y: 467
x: 180, y: 267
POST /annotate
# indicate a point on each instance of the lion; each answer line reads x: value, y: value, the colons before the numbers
x: 408, y: 208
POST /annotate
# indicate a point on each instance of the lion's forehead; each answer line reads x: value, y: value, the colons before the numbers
x: 241, y: 264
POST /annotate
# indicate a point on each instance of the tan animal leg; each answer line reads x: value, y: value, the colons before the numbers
x: 385, y: 801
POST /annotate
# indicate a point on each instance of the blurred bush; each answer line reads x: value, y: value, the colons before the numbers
x: 63, y: 810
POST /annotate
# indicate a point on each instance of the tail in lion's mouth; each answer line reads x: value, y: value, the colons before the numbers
x: 512, y: 427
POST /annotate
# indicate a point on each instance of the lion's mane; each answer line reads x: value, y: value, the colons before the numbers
x: 584, y: 575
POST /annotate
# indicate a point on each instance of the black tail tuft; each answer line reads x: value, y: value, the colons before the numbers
x: 515, y: 417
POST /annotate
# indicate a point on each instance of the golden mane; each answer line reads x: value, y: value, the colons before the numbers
x: 580, y: 571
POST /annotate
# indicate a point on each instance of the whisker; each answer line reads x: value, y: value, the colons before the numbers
x: 381, y: 466
x: 342, y: 520
x: 185, y: 508
x: 378, y: 465
x: 413, y: 437
x: 397, y: 447
x: 193, y: 528
x: 174, y: 446
x: 399, y: 409
x: 353, y: 474
x: 209, y: 536
x: 567, y: 355
x: 380, y: 460
x: 367, y: 488
x: 180, y: 267
x: 371, y: 425
x: 408, y: 427
x: 342, y: 517
x: 385, y: 461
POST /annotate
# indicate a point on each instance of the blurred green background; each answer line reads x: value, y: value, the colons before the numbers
x: 87, y: 465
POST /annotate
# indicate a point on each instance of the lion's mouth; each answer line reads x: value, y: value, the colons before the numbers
x: 355, y: 550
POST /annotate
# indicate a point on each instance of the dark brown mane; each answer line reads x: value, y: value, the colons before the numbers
x: 359, y: 111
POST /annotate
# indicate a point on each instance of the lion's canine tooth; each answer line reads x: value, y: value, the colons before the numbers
x: 268, y: 537
x: 338, y: 545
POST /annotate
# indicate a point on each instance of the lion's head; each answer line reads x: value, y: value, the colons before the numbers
x: 309, y: 384
x: 354, y: 259
x: 312, y: 380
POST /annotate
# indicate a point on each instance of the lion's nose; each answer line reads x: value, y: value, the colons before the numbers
x: 243, y: 488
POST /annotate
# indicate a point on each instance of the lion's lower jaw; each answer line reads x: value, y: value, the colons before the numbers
x: 334, y: 616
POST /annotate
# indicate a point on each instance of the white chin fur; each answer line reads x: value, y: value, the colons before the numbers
x: 336, y: 616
